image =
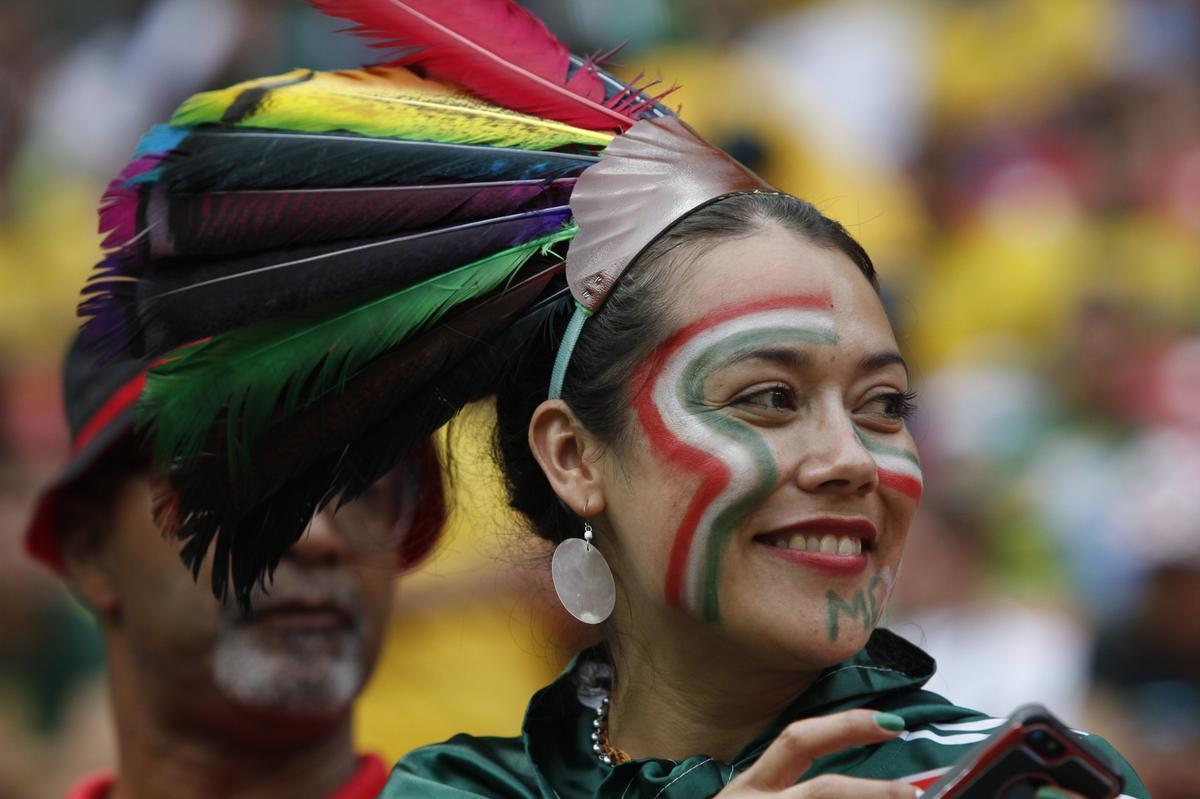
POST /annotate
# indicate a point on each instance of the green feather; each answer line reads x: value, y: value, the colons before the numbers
x: 264, y: 372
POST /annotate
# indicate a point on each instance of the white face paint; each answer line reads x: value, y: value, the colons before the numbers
x: 734, y: 463
x: 300, y: 663
x: 300, y: 676
x: 772, y: 414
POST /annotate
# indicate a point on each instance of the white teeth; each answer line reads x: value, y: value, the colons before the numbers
x: 827, y: 545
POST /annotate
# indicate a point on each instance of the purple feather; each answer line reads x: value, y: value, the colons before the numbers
x: 119, y: 203
x: 102, y: 301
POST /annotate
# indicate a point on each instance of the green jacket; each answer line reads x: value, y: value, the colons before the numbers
x: 553, y: 758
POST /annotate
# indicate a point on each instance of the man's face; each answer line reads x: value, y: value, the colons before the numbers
x: 315, y: 632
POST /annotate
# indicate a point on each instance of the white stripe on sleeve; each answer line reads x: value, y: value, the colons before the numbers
x: 970, y: 726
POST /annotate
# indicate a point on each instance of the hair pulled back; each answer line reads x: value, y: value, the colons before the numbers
x: 633, y: 320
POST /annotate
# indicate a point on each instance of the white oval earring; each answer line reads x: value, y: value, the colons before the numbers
x: 582, y: 579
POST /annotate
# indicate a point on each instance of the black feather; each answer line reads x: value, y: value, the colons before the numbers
x: 381, y: 412
x: 221, y: 159
x: 180, y: 300
x: 250, y: 220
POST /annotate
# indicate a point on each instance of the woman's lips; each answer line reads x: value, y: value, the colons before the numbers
x: 842, y: 565
x: 834, y: 545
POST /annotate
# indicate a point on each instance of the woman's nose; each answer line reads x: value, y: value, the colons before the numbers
x: 833, y: 458
x: 322, y: 543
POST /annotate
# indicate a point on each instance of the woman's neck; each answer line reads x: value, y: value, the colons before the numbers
x: 673, y: 701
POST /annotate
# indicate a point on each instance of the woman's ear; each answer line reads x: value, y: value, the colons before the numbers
x: 568, y: 456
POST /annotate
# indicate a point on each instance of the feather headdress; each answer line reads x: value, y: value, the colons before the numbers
x: 328, y: 265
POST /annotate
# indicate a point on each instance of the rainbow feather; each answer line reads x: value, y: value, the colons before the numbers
x: 213, y: 159
x: 344, y: 258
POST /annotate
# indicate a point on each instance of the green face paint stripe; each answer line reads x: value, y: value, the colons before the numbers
x: 726, y: 467
x: 879, y: 448
x: 837, y: 606
x: 876, y: 581
x: 864, y: 607
x: 691, y: 389
x: 725, y: 350
x: 899, y: 469
x: 726, y: 521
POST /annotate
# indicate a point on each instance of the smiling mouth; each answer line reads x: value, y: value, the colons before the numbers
x: 827, y: 544
x: 838, y: 546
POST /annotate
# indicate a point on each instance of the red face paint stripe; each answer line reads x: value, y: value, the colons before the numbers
x: 125, y: 396
x: 901, y: 482
x: 714, y: 475
x: 710, y: 489
x: 787, y: 303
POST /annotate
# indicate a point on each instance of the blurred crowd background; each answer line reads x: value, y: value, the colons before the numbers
x: 1025, y: 173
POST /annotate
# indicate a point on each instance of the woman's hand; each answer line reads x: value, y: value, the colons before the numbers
x: 801, y: 742
x: 792, y: 754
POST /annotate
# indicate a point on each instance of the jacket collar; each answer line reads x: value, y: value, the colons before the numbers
x: 558, y: 722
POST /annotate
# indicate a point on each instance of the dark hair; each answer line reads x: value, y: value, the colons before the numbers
x: 615, y: 340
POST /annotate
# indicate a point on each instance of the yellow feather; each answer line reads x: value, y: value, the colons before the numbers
x: 387, y: 102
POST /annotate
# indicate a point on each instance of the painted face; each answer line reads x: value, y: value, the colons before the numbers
x: 736, y: 468
x: 770, y: 428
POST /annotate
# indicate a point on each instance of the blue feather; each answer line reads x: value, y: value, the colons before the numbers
x: 160, y: 139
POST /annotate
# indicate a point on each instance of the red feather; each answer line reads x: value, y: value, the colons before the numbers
x: 495, y: 49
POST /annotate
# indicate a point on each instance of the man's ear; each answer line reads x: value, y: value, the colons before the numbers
x: 568, y: 455
x: 87, y: 573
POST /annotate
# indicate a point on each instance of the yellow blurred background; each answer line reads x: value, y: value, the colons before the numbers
x: 1026, y: 175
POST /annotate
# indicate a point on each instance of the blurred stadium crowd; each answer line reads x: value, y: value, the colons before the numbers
x: 1025, y: 173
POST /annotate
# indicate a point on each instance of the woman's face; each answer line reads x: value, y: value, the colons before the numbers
x: 768, y: 480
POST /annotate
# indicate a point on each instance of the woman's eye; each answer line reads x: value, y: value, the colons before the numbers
x: 775, y: 398
x: 896, y: 405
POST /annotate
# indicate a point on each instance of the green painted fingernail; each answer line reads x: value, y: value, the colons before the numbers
x: 891, y: 722
x: 1046, y: 792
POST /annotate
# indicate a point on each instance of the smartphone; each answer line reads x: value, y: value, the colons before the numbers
x: 1030, y: 750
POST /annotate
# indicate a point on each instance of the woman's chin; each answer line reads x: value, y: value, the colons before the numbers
x: 821, y: 606
x: 783, y: 637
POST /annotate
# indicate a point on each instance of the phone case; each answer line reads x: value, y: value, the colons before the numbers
x: 1031, y: 749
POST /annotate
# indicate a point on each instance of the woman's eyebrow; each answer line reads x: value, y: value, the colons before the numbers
x: 783, y: 356
x: 879, y: 360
